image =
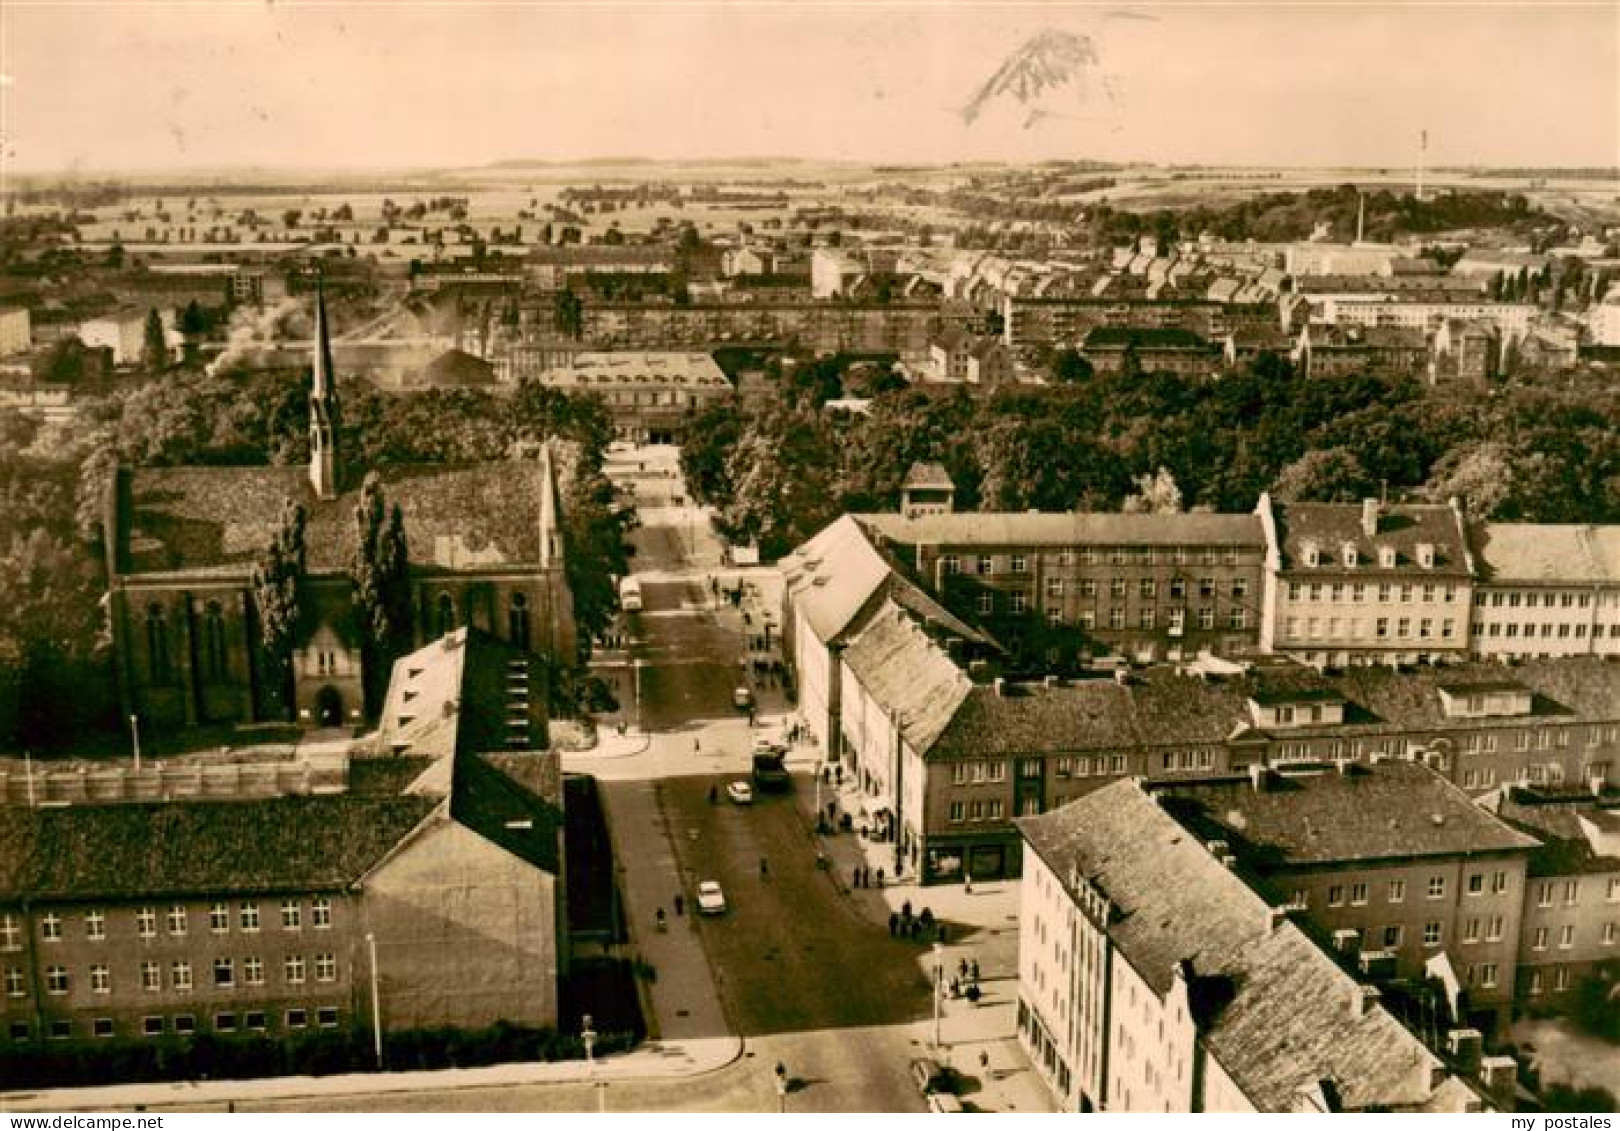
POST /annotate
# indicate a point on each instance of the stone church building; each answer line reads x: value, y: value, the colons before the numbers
x: 484, y: 541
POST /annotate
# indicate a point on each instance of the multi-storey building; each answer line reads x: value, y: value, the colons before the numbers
x: 1389, y: 860
x: 1067, y: 321
x: 266, y: 916
x: 1511, y: 321
x: 1331, y: 351
x: 651, y: 396
x: 901, y: 328
x: 16, y: 335
x: 1572, y: 904
x: 1387, y: 584
x: 1153, y: 977
x: 1147, y: 586
x: 1546, y: 590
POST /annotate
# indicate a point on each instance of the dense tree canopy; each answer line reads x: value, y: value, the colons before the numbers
x: 778, y: 472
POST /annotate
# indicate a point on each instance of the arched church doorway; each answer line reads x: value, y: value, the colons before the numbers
x: 329, y: 706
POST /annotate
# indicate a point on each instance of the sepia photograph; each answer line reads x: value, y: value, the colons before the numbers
x: 611, y: 558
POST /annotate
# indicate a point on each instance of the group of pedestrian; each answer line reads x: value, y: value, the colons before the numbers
x: 904, y: 925
x: 863, y: 876
x: 966, y: 982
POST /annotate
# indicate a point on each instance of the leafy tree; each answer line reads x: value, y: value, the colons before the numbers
x: 1324, y: 475
x: 568, y: 314
x: 1155, y: 494
x: 154, y: 345
x: 1070, y: 367
x: 380, y: 572
x: 278, y: 579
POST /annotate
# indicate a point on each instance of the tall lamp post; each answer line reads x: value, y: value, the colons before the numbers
x: 135, y: 739
x: 376, y: 1000
x: 588, y: 1035
x: 939, y: 990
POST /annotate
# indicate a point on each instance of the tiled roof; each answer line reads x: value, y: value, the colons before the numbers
x: 219, y: 519
x: 1157, y: 709
x: 513, y: 801
x: 1387, y: 810
x: 1510, y: 552
x: 1287, y: 1021
x: 1018, y: 528
x: 200, y: 848
x: 1556, y: 822
x: 838, y: 576
x: 908, y: 674
x: 458, y: 695
x: 1403, y: 527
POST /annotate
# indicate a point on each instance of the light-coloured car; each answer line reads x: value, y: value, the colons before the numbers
x: 743, y: 698
x: 740, y: 792
x: 711, y: 900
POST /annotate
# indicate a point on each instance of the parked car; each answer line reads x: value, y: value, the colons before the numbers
x: 740, y: 792
x: 711, y: 900
x: 770, y: 771
x: 944, y: 1103
x: 742, y: 698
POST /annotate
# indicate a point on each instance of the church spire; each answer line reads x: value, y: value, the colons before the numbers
x: 324, y: 467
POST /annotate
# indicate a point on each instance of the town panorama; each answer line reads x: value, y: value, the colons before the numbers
x: 1091, y: 583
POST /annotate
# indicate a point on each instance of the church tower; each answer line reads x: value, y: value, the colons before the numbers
x: 325, y: 470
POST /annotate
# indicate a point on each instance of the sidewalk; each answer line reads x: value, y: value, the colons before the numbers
x: 652, y: 1060
x: 982, y: 927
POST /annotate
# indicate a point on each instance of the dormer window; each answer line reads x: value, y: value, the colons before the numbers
x: 1386, y: 557
x: 1312, y: 554
x: 1425, y: 555
x: 1347, y: 554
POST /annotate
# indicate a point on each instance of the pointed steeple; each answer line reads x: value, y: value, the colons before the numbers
x: 325, y: 469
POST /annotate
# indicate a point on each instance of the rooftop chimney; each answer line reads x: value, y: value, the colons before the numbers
x: 1362, y: 999
x: 1467, y: 1048
x: 1369, y: 517
x: 1258, y: 776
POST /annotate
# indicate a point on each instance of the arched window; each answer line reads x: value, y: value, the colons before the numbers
x: 157, y: 644
x: 213, y: 643
x: 447, y: 614
x: 517, y: 621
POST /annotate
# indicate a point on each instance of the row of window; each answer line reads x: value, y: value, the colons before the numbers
x: 1395, y: 890
x: 1531, y: 600
x: 228, y: 973
x: 1548, y: 890
x: 1175, y: 619
x: 184, y: 1024
x: 990, y: 809
x: 1542, y: 936
x: 1515, y: 630
x: 1349, y: 556
x: 176, y: 919
x: 1358, y: 593
x: 1362, y: 628
x: 1090, y: 555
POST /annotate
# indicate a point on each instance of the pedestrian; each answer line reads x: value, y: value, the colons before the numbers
x: 764, y: 869
x: 838, y: 774
x: 962, y: 969
x: 714, y: 795
x: 905, y: 909
x: 880, y: 877
x: 680, y: 904
x: 894, y: 924
x: 984, y: 1061
x: 697, y: 746
x: 973, y: 969
x: 956, y: 987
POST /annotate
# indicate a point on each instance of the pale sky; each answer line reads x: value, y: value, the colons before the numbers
x: 142, y: 86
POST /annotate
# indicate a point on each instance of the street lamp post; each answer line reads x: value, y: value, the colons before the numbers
x: 135, y: 739
x: 376, y: 1000
x: 588, y: 1035
x: 939, y: 990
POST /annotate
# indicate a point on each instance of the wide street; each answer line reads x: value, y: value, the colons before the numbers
x: 800, y: 970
